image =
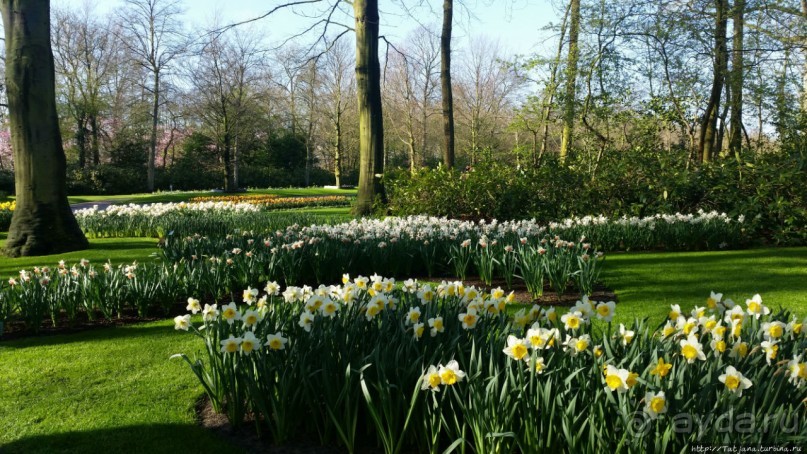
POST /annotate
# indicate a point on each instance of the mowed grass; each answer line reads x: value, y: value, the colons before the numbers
x: 164, y: 197
x: 647, y: 284
x: 116, y: 390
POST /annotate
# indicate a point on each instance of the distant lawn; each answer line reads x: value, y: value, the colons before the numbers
x: 164, y: 197
x: 116, y: 250
x: 647, y: 283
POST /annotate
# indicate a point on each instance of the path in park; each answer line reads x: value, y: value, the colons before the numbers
x: 102, y: 204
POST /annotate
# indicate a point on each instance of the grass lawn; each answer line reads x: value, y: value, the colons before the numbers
x: 163, y: 197
x: 116, y: 390
x: 116, y: 250
x: 647, y: 283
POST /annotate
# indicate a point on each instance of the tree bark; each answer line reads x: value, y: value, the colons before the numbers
x: 736, y: 80
x: 445, y: 84
x: 571, y: 79
x: 707, y: 146
x: 155, y: 107
x: 371, y: 120
x: 43, y: 222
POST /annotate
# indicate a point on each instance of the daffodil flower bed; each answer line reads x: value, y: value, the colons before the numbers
x: 6, y: 211
x: 275, y: 202
x: 428, y: 368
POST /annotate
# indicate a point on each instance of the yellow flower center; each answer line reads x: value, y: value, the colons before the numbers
x: 434, y: 380
x: 754, y: 307
x: 539, y: 366
x: 797, y: 328
x: 552, y: 316
x: 742, y: 349
x: 419, y: 331
x: 662, y: 369
x: 597, y: 352
x: 674, y: 315
x: 519, y: 351
x: 603, y: 310
x: 775, y: 331
x: 275, y: 344
x: 232, y: 347
x: 688, y: 327
x: 251, y: 320
x: 631, y: 379
x: 720, y: 346
x: 802, y: 371
x: 438, y: 324
x: 711, y: 303
x: 657, y: 404
x: 247, y: 346
x: 732, y: 382
x: 668, y: 331
x: 448, y: 377
x: 613, y: 382
x: 710, y: 325
x: 330, y: 308
x: 689, y: 352
x: 581, y: 345
x: 229, y: 313
x: 469, y: 319
x: 573, y: 322
x: 428, y: 296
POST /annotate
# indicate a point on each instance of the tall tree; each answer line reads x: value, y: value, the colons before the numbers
x: 371, y: 119
x: 445, y: 84
x: 153, y: 36
x: 708, y: 145
x: 571, y: 79
x: 43, y: 222
x: 338, y: 85
x: 736, y: 78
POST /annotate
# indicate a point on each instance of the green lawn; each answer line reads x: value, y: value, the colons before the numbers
x: 647, y: 283
x: 116, y: 250
x: 116, y: 390
x: 163, y: 197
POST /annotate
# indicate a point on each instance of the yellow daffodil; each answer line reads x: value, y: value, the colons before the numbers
x: 469, y: 319
x: 436, y: 325
x: 662, y: 369
x: 691, y: 349
x: 755, y: 308
x: 516, y: 348
x: 431, y: 379
x: 572, y: 320
x: 773, y: 330
x: 616, y: 379
x: 451, y: 374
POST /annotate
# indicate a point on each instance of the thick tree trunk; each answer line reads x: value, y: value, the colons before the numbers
x: 707, y: 146
x: 43, y: 222
x: 445, y: 84
x: 736, y: 80
x: 371, y: 120
x: 571, y: 79
x: 155, y: 107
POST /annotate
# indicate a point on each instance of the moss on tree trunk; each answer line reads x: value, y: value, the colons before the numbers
x: 43, y: 222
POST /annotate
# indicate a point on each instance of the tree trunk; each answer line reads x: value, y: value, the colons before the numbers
x: 153, y: 142
x: 571, y: 79
x: 371, y: 120
x: 736, y: 80
x: 42, y: 222
x: 94, y: 146
x: 707, y: 146
x: 445, y: 84
x: 804, y: 73
x: 337, y: 154
x: 81, y: 141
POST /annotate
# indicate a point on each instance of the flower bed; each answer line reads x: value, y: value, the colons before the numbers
x: 429, y: 368
x: 6, y: 211
x: 275, y: 202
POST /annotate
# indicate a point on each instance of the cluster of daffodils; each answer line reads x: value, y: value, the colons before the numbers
x: 155, y: 210
x: 436, y: 376
x: 269, y: 201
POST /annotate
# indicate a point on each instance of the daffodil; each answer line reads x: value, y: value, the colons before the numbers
x: 451, y: 374
x: 436, y: 325
x: 276, y: 341
x: 718, y: 345
x: 537, y: 364
x: 417, y: 330
x: 250, y: 295
x: 541, y: 338
x: 413, y: 315
x: 691, y: 349
x: 713, y: 300
x: 655, y: 404
x: 598, y: 351
x: 583, y: 307
x: 771, y: 349
x: 625, y: 335
x: 577, y: 345
x: 668, y: 329
x: 550, y: 315
x: 251, y: 318
x: 662, y: 369
x: 516, y: 348
x: 469, y: 319
x: 249, y: 343
x: 616, y: 379
x: 735, y: 381
x: 426, y: 294
x: 231, y: 344
x: 675, y: 312
x: 605, y: 311
x: 739, y: 350
x: 773, y: 330
x: 797, y: 371
x: 755, y: 308
x: 193, y: 305
x: 272, y: 288
x: 329, y: 308
x: 521, y: 318
x: 182, y: 322
x: 306, y: 321
x: 572, y: 320
x: 687, y: 326
x: 230, y: 313
x: 431, y: 379
x: 210, y: 312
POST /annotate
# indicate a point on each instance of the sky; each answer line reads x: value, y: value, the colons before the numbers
x: 516, y: 24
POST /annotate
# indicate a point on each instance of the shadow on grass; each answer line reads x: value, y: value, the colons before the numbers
x: 129, y: 332
x: 150, y: 438
x: 113, y: 244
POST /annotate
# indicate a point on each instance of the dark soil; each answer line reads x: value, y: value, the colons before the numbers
x: 549, y: 298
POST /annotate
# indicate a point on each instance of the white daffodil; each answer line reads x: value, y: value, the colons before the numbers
x: 577, y: 345
x: 755, y: 308
x: 250, y: 295
x: 431, y: 379
x: 625, y: 335
x: 797, y: 371
x: 306, y: 321
x: 417, y: 330
x: 276, y: 341
x: 272, y: 288
x: 193, y: 305
x: 616, y: 379
x: 572, y: 320
x: 182, y: 322
x: 606, y: 311
x: 329, y: 308
x: 714, y: 300
x: 771, y: 349
x: 210, y: 312
x: 413, y: 315
x: 469, y: 319
x: 773, y: 330
x: 735, y: 381
x: 249, y: 343
x: 251, y: 318
x: 230, y: 313
x: 231, y: 344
